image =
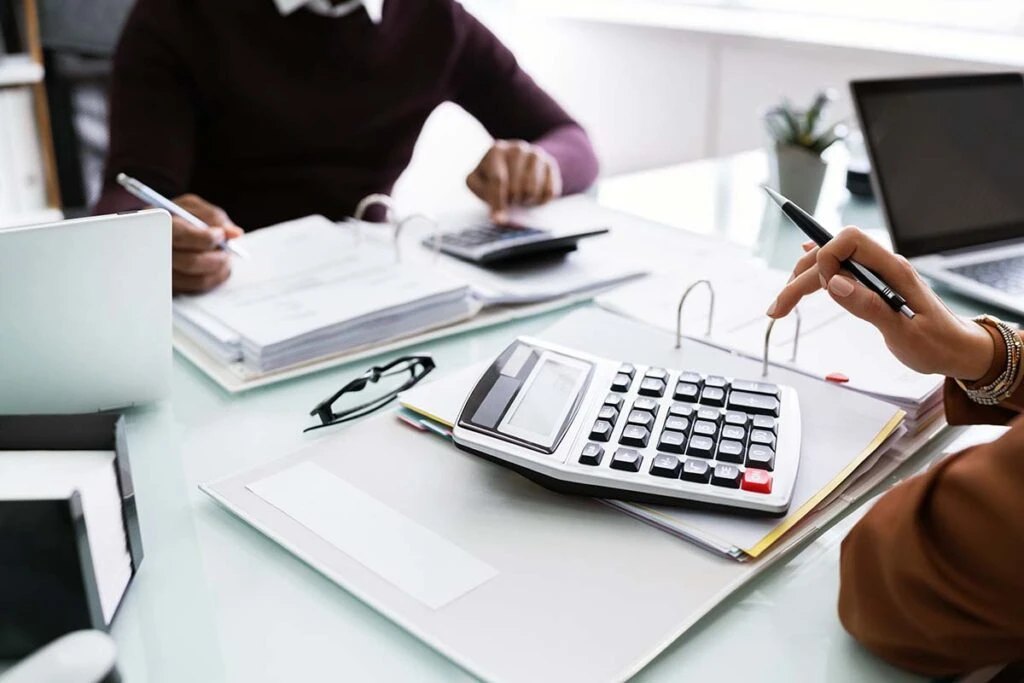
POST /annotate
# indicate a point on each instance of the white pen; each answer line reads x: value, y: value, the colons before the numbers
x: 147, y: 194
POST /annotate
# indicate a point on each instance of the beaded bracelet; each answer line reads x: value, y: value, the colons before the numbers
x: 1008, y: 381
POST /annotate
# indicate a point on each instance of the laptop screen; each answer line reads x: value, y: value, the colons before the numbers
x: 948, y: 158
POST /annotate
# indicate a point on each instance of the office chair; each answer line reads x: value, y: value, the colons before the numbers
x: 79, y: 38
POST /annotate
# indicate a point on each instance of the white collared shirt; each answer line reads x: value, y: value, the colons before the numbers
x: 374, y: 8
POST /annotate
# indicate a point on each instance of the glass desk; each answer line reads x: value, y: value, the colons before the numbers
x: 217, y: 601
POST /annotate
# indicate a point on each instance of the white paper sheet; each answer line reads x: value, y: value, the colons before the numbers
x: 420, y: 562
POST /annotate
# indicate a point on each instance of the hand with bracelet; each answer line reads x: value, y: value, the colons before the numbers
x: 935, y: 341
x: 930, y: 576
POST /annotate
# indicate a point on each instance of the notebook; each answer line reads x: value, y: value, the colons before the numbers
x: 831, y: 341
x: 845, y: 433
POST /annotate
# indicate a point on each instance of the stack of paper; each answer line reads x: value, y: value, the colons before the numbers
x: 311, y: 289
x: 850, y: 441
x: 831, y: 342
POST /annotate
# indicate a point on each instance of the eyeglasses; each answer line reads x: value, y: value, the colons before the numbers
x: 417, y: 367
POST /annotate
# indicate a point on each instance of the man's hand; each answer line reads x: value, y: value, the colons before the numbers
x: 197, y: 265
x: 934, y: 341
x: 514, y: 172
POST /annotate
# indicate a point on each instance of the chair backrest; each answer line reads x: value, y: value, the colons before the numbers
x: 79, y: 38
x: 85, y: 26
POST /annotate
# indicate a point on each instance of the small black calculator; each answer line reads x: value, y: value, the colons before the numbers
x: 496, y: 244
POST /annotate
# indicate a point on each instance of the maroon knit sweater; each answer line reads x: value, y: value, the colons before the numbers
x: 273, y: 117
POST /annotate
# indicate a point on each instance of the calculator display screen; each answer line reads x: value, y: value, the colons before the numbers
x: 550, y: 393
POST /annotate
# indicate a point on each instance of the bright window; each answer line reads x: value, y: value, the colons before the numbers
x: 1002, y: 16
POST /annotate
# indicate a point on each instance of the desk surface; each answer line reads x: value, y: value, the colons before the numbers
x: 217, y: 601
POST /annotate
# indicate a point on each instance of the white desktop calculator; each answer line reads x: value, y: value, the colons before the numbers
x: 580, y: 424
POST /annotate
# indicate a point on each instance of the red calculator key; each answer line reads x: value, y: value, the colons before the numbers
x: 757, y: 481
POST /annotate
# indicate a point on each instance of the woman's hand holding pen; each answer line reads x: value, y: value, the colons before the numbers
x: 197, y: 265
x: 934, y: 341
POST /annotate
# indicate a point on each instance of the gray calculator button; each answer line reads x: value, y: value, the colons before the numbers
x: 602, y: 431
x: 733, y: 432
x: 726, y: 475
x: 761, y: 457
x: 764, y: 422
x: 758, y: 404
x: 614, y: 400
x: 730, y: 451
x: 657, y: 373
x: 626, y: 459
x: 672, y: 442
x: 680, y: 410
x: 666, y: 466
x: 635, y: 435
x: 762, y: 438
x: 686, y: 392
x: 738, y: 419
x: 650, y: 386
x: 608, y: 414
x: 591, y: 454
x: 627, y: 369
x: 691, y: 378
x: 621, y: 383
x: 709, y: 414
x: 701, y: 446
x: 648, y: 404
x: 640, y: 417
x: 705, y: 428
x: 696, y: 470
x: 756, y: 387
x: 713, y: 396
x: 716, y: 381
x: 677, y: 424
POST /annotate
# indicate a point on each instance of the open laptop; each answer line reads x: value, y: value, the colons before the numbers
x: 86, y: 314
x: 947, y: 155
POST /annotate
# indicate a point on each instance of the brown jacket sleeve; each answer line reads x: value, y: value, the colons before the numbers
x: 932, y: 578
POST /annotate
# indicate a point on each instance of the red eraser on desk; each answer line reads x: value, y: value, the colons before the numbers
x: 837, y: 377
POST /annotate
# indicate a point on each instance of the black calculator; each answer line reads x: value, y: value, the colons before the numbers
x: 580, y: 424
x: 496, y: 244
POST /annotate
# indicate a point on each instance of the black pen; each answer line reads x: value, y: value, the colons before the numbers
x: 820, y: 236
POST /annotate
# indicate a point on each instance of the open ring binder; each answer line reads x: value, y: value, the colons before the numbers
x: 682, y: 301
x: 768, y: 337
x: 391, y: 218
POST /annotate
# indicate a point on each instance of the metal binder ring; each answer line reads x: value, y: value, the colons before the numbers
x: 679, y: 311
x: 767, y: 341
x: 375, y: 200
x: 429, y: 219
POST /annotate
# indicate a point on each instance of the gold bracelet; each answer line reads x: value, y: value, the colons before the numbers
x: 1010, y: 378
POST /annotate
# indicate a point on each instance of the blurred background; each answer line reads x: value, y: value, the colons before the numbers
x: 655, y: 82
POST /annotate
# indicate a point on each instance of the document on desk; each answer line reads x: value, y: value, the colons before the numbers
x: 831, y: 340
x: 266, y: 323
x: 311, y: 288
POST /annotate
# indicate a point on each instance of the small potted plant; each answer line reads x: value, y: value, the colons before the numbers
x: 798, y: 138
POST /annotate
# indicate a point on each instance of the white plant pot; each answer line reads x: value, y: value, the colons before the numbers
x: 798, y: 174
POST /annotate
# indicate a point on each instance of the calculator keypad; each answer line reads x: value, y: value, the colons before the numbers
x: 487, y: 233
x: 703, y: 429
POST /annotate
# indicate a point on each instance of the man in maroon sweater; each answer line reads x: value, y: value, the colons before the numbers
x: 267, y: 110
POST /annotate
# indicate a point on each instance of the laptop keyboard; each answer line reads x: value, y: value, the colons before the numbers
x: 1006, y: 275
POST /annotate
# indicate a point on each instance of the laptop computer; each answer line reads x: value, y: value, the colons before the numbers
x: 86, y: 321
x: 947, y: 155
